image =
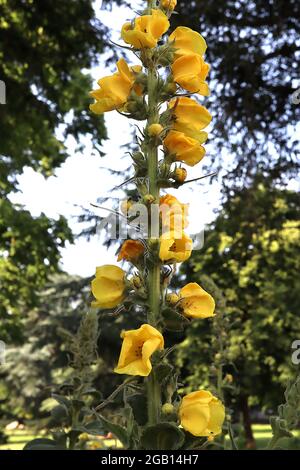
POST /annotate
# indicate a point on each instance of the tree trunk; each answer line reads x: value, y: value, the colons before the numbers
x: 250, y: 441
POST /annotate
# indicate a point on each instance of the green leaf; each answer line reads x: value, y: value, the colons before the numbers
x: 162, y: 436
x: 43, y: 444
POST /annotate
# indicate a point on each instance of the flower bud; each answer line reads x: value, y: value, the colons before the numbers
x: 136, y: 281
x: 229, y: 378
x: 169, y: 5
x: 180, y: 175
x: 168, y: 408
x: 148, y: 199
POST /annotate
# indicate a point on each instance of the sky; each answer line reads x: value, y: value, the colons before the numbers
x: 85, y: 176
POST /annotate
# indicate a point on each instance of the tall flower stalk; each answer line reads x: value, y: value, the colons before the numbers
x: 158, y: 92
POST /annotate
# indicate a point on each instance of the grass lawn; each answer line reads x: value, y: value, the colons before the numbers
x: 18, y: 438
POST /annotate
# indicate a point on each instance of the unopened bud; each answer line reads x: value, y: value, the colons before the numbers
x: 229, y: 378
x: 180, y: 175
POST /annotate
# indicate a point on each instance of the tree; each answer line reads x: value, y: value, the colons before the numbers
x: 45, y: 46
x: 253, y: 51
x: 251, y: 252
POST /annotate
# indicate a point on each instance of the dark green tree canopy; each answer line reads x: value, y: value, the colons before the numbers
x: 254, y: 52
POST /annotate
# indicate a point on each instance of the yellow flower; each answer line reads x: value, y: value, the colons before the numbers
x: 114, y: 89
x: 168, y: 4
x: 173, y: 213
x: 187, y: 41
x: 190, y: 72
x: 131, y: 250
x: 202, y: 414
x: 108, y: 286
x: 146, y: 30
x: 175, y: 246
x: 185, y: 149
x: 137, y: 348
x: 196, y: 302
x: 189, y: 116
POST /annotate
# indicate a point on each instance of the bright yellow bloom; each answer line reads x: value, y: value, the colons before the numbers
x: 189, y: 116
x: 185, y: 149
x: 108, y: 286
x: 187, y: 41
x: 190, y: 72
x: 137, y: 348
x: 131, y: 250
x: 175, y: 246
x: 169, y: 4
x: 173, y: 213
x: 202, y: 414
x: 155, y: 129
x: 114, y: 89
x: 146, y: 30
x: 196, y: 302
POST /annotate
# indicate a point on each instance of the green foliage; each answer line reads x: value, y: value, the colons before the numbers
x: 41, y: 359
x: 29, y: 254
x: 252, y: 46
x: 73, y: 415
x: 288, y: 414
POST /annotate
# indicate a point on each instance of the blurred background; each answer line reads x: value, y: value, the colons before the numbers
x: 56, y: 159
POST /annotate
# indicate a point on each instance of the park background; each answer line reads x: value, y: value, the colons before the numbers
x: 56, y: 159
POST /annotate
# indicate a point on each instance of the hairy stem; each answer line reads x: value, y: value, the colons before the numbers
x: 153, y: 387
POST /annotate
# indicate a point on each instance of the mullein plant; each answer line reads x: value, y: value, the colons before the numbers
x: 159, y: 91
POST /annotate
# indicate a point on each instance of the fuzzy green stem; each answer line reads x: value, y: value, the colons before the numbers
x: 153, y: 386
